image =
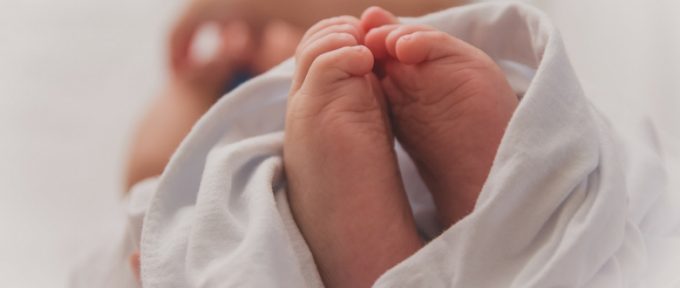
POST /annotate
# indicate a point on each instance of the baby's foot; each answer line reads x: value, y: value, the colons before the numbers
x: 343, y: 183
x: 450, y: 104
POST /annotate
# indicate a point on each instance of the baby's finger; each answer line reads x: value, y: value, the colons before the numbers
x: 309, y: 53
x: 210, y: 71
x: 182, y: 36
x: 237, y: 44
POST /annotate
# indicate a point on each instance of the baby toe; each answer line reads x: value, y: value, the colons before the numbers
x: 421, y: 46
x: 375, y: 40
x: 348, y: 28
x: 323, y: 25
x: 341, y: 64
x: 374, y: 17
x: 307, y: 55
x: 392, y: 39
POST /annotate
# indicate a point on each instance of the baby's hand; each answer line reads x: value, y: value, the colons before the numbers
x: 208, y: 75
x: 450, y: 104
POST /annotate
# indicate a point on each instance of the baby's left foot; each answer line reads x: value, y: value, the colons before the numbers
x: 450, y: 104
x: 344, y: 186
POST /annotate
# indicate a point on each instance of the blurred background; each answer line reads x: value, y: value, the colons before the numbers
x: 75, y: 75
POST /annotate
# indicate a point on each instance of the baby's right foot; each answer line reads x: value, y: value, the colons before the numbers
x: 450, y: 104
x: 344, y: 186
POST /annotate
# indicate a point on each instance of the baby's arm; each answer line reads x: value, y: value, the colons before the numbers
x: 190, y: 92
x: 169, y: 119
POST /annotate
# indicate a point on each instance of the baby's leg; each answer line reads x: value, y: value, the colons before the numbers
x: 343, y: 182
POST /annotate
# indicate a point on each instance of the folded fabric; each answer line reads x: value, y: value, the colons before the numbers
x: 562, y: 205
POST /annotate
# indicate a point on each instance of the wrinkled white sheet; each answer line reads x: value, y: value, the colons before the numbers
x: 568, y: 202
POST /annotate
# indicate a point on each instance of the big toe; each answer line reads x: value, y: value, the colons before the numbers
x: 416, y: 44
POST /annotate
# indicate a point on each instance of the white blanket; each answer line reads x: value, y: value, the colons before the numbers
x: 567, y: 203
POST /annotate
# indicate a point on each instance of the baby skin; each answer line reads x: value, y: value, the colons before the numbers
x: 444, y: 100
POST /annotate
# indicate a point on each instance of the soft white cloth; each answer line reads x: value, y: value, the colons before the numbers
x: 567, y: 202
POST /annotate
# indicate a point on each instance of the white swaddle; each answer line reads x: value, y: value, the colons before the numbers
x: 562, y: 205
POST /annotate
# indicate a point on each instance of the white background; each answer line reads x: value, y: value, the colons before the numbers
x: 74, y: 77
x: 76, y: 74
